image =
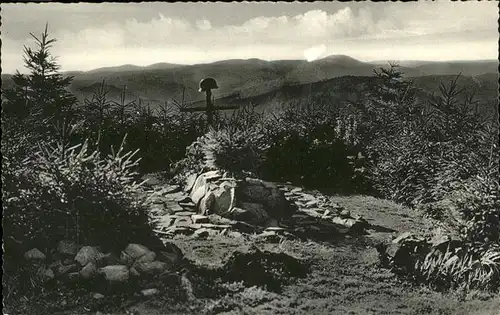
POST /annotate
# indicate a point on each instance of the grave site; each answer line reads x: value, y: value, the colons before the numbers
x: 326, y: 186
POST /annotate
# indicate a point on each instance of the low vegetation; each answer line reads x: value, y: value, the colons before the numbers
x: 64, y: 178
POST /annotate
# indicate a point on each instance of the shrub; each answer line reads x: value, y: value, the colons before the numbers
x: 73, y: 193
x: 315, y: 146
x: 466, y: 267
x: 239, y: 153
x: 478, y: 203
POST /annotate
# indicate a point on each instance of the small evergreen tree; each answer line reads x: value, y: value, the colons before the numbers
x: 41, y: 98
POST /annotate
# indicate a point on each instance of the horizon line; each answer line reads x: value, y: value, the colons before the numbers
x: 275, y: 60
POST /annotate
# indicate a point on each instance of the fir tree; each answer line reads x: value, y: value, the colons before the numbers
x: 41, y: 98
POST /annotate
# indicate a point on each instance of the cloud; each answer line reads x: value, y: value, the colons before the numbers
x: 203, y: 25
x: 315, y: 52
x: 357, y: 31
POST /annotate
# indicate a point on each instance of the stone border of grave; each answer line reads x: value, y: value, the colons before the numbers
x: 213, y: 203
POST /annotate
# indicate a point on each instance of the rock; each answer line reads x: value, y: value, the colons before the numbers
x: 97, y: 296
x: 115, y: 273
x: 198, y: 218
x: 134, y: 272
x: 88, y: 271
x: 296, y: 190
x: 55, y: 265
x: 212, y: 175
x: 244, y: 227
x: 265, y: 193
x: 65, y: 269
x: 179, y: 230
x: 178, y: 196
x: 88, y: 254
x: 133, y: 252
x: 275, y: 229
x: 155, y: 267
x: 190, y: 180
x: 67, y: 248
x: 171, y: 254
x: 224, y: 200
x: 34, y: 255
x: 169, y: 189
x: 149, y: 292
x: 272, y: 223
x: 215, y: 226
x: 45, y: 274
x: 183, y: 222
x: 206, y: 204
x: 199, y: 190
x: 312, y: 203
x: 235, y: 234
x: 185, y: 214
x: 402, y: 237
x: 250, y: 212
x: 269, y: 236
x: 108, y: 259
x: 148, y: 257
x: 345, y: 213
x: 165, y: 221
x: 73, y: 276
x: 201, y: 233
x: 187, y: 205
x: 173, y: 206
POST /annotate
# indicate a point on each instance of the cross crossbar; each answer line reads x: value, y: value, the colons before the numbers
x: 209, y: 109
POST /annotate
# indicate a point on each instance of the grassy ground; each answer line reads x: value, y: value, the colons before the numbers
x: 344, y: 278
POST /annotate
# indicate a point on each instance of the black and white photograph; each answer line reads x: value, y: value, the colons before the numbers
x: 250, y: 158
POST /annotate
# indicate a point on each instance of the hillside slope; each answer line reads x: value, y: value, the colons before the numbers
x: 164, y: 81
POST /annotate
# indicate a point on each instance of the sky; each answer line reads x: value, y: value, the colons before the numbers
x: 91, y: 35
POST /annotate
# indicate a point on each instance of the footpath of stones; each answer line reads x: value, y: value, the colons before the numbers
x: 174, y: 214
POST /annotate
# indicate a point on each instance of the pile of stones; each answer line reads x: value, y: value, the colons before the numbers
x: 212, y: 203
x: 72, y: 263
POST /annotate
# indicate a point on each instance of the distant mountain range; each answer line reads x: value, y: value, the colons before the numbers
x: 248, y: 78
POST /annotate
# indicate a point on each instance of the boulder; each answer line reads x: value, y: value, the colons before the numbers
x: 344, y: 213
x: 136, y: 250
x: 206, y: 203
x: 108, y: 259
x: 199, y: 190
x: 66, y: 269
x: 115, y: 273
x: 88, y: 271
x: 67, y: 248
x: 148, y: 257
x: 254, y: 213
x: 224, y: 199
x: 88, y: 254
x: 265, y: 193
x: 34, y: 255
x: 134, y: 272
x: 190, y: 180
x: 155, y: 267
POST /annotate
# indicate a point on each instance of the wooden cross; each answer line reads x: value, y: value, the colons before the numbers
x: 206, y: 85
